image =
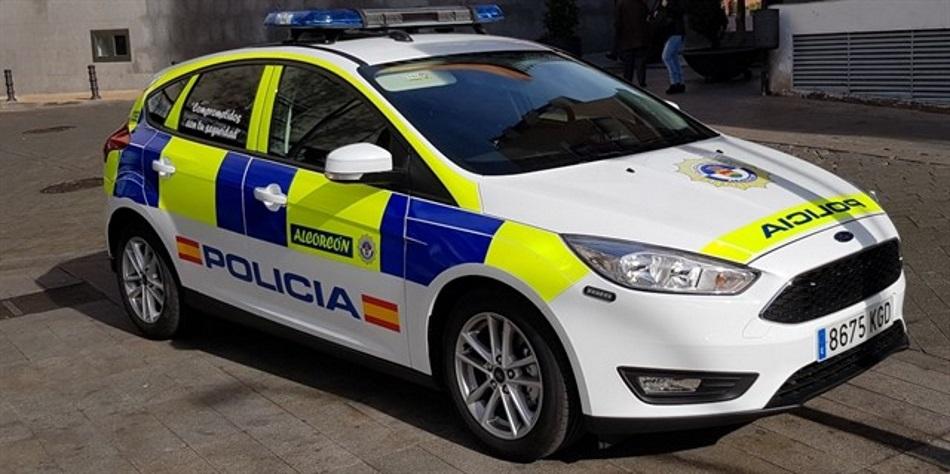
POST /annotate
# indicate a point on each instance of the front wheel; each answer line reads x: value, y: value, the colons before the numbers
x: 147, y: 284
x: 506, y: 380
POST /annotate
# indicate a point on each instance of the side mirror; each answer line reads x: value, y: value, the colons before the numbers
x: 673, y: 104
x: 349, y: 163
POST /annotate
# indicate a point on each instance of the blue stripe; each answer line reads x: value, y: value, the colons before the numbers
x: 153, y: 151
x: 262, y: 223
x: 229, y: 194
x: 392, y: 248
x: 130, y: 178
x: 822, y: 354
x: 453, y: 216
x: 441, y: 237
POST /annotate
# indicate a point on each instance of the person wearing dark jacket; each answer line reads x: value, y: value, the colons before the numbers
x: 675, y: 14
x: 630, y: 23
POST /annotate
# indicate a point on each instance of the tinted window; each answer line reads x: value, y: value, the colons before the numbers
x: 314, y: 115
x: 515, y: 112
x: 219, y: 106
x: 161, y: 101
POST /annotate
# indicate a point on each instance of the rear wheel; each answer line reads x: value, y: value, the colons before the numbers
x: 506, y: 380
x: 147, y: 284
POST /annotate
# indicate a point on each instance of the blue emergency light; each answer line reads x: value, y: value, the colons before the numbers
x: 384, y: 18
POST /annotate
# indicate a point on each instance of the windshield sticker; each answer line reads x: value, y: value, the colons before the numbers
x: 723, y: 173
x: 413, y: 80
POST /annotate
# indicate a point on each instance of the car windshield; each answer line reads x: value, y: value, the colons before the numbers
x: 516, y: 112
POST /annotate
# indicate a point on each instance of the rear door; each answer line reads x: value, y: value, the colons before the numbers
x: 200, y: 170
x: 330, y: 254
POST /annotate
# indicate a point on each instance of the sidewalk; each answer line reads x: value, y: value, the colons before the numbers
x: 33, y: 101
x: 738, y: 108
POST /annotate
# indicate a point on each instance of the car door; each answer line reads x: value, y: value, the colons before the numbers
x: 200, y: 170
x: 330, y: 255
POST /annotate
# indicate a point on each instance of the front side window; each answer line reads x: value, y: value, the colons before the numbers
x: 220, y: 103
x: 314, y: 115
x: 515, y: 112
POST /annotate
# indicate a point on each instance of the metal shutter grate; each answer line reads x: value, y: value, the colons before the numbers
x: 908, y: 64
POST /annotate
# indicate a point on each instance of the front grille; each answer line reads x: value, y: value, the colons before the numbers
x: 819, y: 377
x: 837, y: 285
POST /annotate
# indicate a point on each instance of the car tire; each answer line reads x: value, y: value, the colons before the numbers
x: 546, y: 416
x: 148, y: 284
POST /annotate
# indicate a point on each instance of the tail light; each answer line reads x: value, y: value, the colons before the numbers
x: 117, y: 141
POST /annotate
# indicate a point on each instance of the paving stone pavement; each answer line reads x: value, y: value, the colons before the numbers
x: 81, y: 391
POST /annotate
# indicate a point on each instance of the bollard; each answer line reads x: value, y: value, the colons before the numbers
x: 93, y: 83
x: 8, y: 81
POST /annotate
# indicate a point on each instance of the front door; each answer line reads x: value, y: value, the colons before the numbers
x: 325, y: 257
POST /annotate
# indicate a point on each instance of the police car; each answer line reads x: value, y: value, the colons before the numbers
x: 561, y: 251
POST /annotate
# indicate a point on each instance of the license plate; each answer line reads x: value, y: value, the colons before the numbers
x: 847, y: 333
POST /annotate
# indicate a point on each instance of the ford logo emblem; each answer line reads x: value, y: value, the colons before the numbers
x: 844, y: 236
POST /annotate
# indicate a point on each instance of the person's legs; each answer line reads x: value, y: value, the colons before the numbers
x: 641, y: 59
x: 629, y: 59
x: 676, y: 70
x: 671, y: 57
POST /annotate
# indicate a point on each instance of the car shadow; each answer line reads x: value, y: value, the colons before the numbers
x: 421, y: 407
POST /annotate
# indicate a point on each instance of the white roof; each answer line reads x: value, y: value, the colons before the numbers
x: 386, y: 50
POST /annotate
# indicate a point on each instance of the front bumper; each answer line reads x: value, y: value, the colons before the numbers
x: 807, y: 383
x: 712, y: 334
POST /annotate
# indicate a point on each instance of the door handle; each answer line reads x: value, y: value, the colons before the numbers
x: 271, y: 196
x: 164, y: 167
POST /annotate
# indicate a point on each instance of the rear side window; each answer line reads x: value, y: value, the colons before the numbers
x: 313, y: 115
x: 161, y: 101
x: 219, y: 106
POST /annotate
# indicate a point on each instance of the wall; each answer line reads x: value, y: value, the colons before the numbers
x: 836, y: 16
x: 46, y: 42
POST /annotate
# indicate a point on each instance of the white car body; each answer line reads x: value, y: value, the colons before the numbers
x: 652, y: 198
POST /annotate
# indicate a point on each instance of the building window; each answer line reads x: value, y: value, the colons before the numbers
x: 110, y: 46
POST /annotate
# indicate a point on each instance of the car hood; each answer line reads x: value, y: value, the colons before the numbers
x: 682, y: 197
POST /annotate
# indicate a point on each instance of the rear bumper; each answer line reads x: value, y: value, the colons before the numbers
x: 805, y: 384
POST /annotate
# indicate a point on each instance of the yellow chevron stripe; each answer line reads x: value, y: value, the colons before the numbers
x: 752, y: 240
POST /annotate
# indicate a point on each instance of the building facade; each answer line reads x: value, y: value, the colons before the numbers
x: 48, y: 44
x: 898, y: 49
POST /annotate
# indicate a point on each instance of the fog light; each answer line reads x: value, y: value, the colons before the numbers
x: 669, y: 387
x: 652, y: 385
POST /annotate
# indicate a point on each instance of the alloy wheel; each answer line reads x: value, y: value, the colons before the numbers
x: 142, y: 280
x: 498, y: 376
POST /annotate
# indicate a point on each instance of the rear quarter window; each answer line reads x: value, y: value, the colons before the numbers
x: 219, y: 106
x: 160, y: 103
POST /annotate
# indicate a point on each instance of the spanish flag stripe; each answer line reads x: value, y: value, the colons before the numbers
x: 381, y: 312
x: 186, y: 241
x: 189, y: 258
x: 188, y: 250
x: 380, y: 322
x: 380, y: 303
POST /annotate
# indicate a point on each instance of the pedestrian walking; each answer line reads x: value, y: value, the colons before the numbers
x: 631, y: 33
x: 675, y: 14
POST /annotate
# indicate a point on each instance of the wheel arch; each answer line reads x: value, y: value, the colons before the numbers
x: 122, y: 217
x: 463, y: 279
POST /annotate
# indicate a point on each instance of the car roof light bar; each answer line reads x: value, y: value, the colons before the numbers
x: 384, y: 18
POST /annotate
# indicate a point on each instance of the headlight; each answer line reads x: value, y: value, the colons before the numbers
x: 646, y: 267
